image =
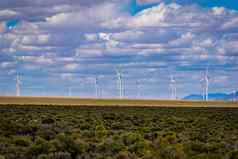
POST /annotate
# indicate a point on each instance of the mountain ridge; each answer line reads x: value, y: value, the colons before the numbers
x: 214, y: 96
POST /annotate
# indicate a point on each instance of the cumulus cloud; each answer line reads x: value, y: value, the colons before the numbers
x: 38, y: 59
x: 5, y: 65
x: 96, y: 35
x: 231, y: 24
x: 148, y: 1
x: 85, y: 19
x: 71, y: 66
x: 4, y: 14
x: 219, y: 11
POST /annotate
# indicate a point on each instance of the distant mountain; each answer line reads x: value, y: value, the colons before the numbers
x: 193, y: 97
x: 214, y: 96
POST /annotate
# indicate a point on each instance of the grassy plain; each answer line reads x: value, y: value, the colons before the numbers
x: 75, y: 128
x: 82, y: 132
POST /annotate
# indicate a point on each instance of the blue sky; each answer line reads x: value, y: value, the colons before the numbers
x: 135, y: 8
x: 58, y: 44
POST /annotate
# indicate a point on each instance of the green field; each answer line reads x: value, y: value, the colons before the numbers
x: 82, y: 132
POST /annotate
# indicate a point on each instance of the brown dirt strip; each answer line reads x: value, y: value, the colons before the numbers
x: 75, y: 101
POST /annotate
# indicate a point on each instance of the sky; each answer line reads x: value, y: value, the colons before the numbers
x: 54, y: 45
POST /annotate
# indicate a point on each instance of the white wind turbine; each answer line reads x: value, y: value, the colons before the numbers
x: 120, y: 82
x: 97, y: 87
x: 18, y: 78
x: 205, y: 85
x: 18, y: 85
x: 173, y: 87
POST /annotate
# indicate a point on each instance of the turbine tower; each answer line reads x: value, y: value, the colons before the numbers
x: 97, y: 89
x: 173, y: 87
x: 18, y: 79
x: 205, y: 85
x: 120, y: 82
x: 18, y: 86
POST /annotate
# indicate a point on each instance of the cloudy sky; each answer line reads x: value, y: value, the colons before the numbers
x: 57, y: 44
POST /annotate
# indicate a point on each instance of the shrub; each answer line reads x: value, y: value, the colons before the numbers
x: 88, y: 134
x: 46, y: 134
x: 116, y: 147
x: 71, y: 145
x: 100, y: 131
x: 123, y: 155
x: 41, y: 146
x: 22, y: 141
x: 233, y: 155
x: 140, y: 148
x: 2, y: 157
x: 130, y: 138
x: 198, y: 147
x: 165, y: 138
x: 172, y: 152
x: 59, y: 155
x: 48, y: 121
x: 43, y: 156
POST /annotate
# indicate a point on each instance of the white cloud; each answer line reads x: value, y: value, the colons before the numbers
x: 184, y: 39
x: 67, y: 76
x: 71, y: 66
x: 154, y: 16
x: 85, y: 19
x: 231, y: 47
x: 38, y: 59
x: 231, y: 24
x: 105, y: 36
x: 66, y: 59
x: 59, y: 18
x: 218, y: 10
x: 207, y: 43
x: 7, y: 13
x: 88, y: 52
x: 129, y: 35
x: 91, y: 37
x: 148, y: 1
x: 5, y: 65
x: 35, y: 39
x: 43, y: 39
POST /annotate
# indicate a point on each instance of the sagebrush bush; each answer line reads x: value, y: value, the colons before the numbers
x: 37, y: 132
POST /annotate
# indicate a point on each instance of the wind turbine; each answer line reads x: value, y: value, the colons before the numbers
x: 120, y: 82
x: 18, y: 85
x: 97, y: 88
x: 18, y: 78
x: 205, y: 85
x: 173, y: 87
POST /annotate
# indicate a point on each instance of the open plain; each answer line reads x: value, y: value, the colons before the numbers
x: 75, y: 101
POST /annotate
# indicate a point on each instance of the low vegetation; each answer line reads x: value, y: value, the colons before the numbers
x: 51, y: 132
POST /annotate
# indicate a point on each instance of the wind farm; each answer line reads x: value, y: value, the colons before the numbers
x: 118, y: 79
x: 120, y: 99
x: 97, y: 86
